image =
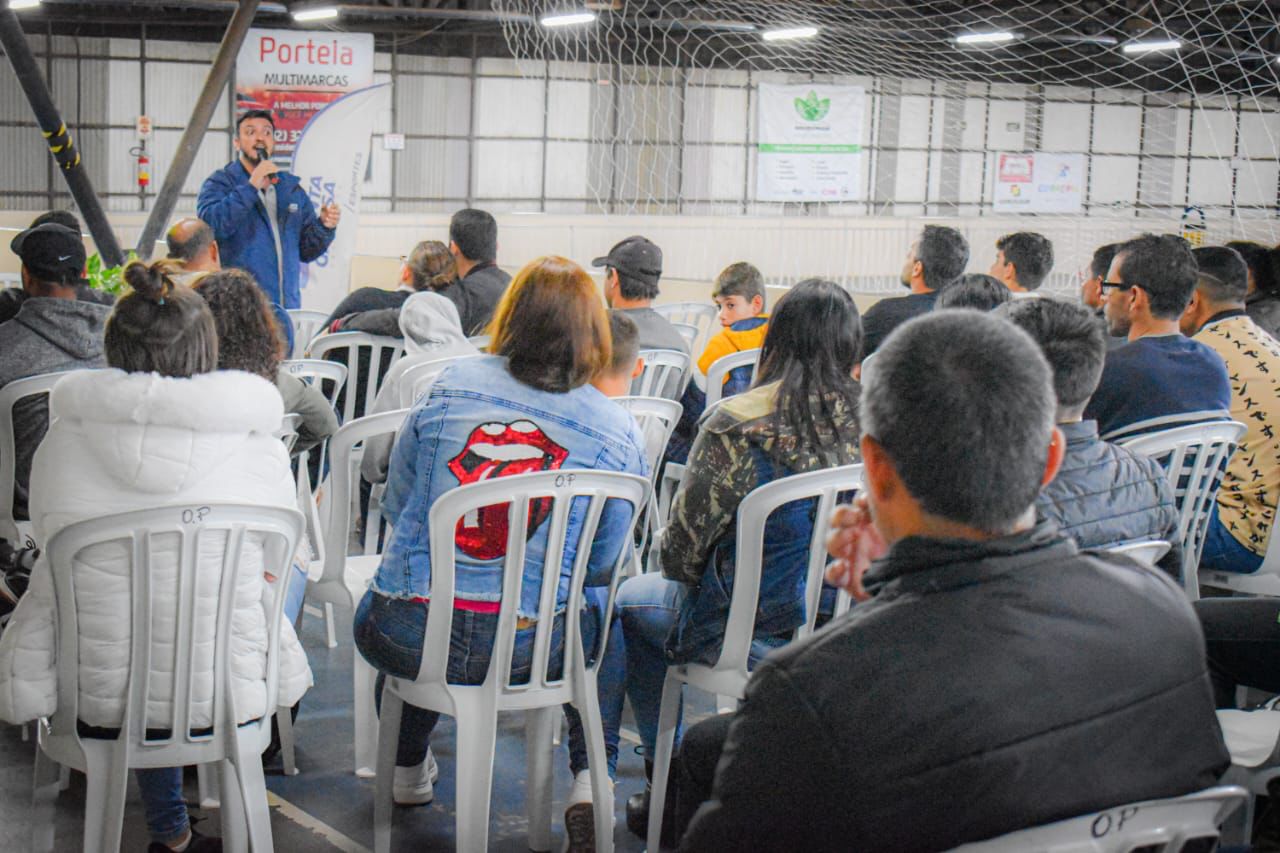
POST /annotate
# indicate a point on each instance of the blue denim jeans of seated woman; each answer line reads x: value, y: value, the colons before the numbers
x: 389, y: 632
x: 1223, y: 552
x: 162, y: 802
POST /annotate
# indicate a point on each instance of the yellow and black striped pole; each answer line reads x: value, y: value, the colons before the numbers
x: 57, y: 136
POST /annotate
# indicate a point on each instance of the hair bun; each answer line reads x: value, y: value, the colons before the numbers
x: 151, y: 282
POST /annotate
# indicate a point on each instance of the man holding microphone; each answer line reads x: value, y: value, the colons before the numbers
x: 262, y: 217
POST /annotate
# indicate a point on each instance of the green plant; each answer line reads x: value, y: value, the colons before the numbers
x: 109, y: 279
x: 812, y: 108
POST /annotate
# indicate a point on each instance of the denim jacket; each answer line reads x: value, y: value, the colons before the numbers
x: 480, y: 422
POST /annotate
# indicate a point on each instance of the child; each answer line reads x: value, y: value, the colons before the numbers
x: 626, y: 365
x: 739, y: 294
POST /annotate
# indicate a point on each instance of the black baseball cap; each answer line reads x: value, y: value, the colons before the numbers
x: 51, y: 252
x: 635, y: 257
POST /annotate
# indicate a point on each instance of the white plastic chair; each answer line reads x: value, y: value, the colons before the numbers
x: 475, y: 708
x: 1195, y: 458
x: 665, y: 374
x: 720, y: 368
x: 383, y: 351
x: 700, y: 315
x: 288, y: 432
x: 481, y: 342
x: 691, y: 334
x: 657, y: 419
x: 330, y: 376
x: 728, y: 675
x: 344, y: 579
x: 1154, y: 826
x: 306, y: 324
x: 10, y: 395
x: 1148, y: 553
x: 417, y: 380
x: 1265, y: 581
x: 185, y: 740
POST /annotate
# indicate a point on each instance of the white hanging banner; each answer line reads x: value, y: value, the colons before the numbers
x: 330, y: 160
x: 808, y: 146
x: 1039, y: 183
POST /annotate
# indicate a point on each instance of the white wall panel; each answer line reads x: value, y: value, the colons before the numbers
x: 1117, y: 129
x: 1213, y: 133
x: 567, y: 169
x: 507, y: 107
x: 439, y: 106
x: 1210, y: 182
x: 1007, y: 125
x: 1256, y: 183
x: 1066, y: 127
x: 1114, y: 179
x: 432, y: 168
x: 914, y: 128
x: 569, y: 109
x: 508, y: 169
x: 1259, y: 135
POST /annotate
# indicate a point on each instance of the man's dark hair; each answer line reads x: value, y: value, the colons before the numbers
x: 943, y: 252
x: 740, y: 279
x: 976, y: 290
x: 1163, y: 266
x: 248, y: 114
x: 476, y: 234
x: 1102, y: 258
x: 970, y: 371
x: 1071, y: 340
x: 65, y: 218
x: 626, y: 342
x: 1031, y: 255
x: 1263, y: 263
x: 186, y: 247
x: 1223, y: 274
x: 635, y: 288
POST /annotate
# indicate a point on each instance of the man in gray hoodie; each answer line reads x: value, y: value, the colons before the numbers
x: 53, y: 331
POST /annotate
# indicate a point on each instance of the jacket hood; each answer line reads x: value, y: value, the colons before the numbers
x: 430, y: 325
x: 72, y: 326
x: 162, y: 434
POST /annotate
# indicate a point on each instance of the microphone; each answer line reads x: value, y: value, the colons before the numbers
x: 261, y: 151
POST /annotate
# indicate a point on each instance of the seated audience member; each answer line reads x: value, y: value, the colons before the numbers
x: 1263, y: 301
x: 626, y: 364
x: 1103, y: 495
x: 191, y: 243
x: 1023, y: 261
x: 1159, y: 378
x: 550, y: 338
x: 1245, y: 511
x: 801, y: 415
x: 161, y: 429
x: 473, y: 240
x: 54, y: 330
x: 430, y: 266
x: 1000, y: 653
x: 739, y: 294
x: 977, y: 290
x: 632, y: 270
x: 936, y: 260
x: 11, y: 298
x: 431, y: 331
x: 248, y: 340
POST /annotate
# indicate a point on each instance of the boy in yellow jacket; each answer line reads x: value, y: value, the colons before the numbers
x: 739, y: 294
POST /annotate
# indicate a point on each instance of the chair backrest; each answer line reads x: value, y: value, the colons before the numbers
x: 555, y: 493
x: 1195, y: 458
x: 657, y: 418
x: 753, y: 514
x: 357, y: 398
x: 1148, y: 552
x: 690, y: 333
x: 151, y: 538
x: 481, y: 342
x: 330, y: 376
x: 1155, y: 826
x: 288, y: 432
x: 664, y: 375
x: 306, y: 324
x: 344, y: 467
x: 700, y: 315
x: 417, y: 380
x: 719, y: 371
x: 10, y: 395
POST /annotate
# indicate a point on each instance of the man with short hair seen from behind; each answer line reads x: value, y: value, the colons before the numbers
x: 936, y: 260
x: 633, y: 268
x: 11, y: 298
x: 1159, y: 379
x: 1023, y: 261
x: 191, y: 242
x: 968, y: 693
x: 1245, y: 511
x: 473, y: 240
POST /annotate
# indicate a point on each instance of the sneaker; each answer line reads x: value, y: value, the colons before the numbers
x: 580, y: 816
x: 196, y: 844
x: 413, y: 786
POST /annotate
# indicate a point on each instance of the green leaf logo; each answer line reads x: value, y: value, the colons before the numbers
x: 812, y: 108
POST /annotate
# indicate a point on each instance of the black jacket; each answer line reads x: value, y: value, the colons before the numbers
x: 367, y: 299
x: 1105, y: 495
x: 888, y: 314
x: 477, y: 295
x: 986, y: 688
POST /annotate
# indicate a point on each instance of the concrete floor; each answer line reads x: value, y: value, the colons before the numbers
x: 325, y: 807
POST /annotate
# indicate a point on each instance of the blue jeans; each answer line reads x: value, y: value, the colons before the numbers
x: 389, y: 632
x: 1223, y: 552
x: 162, y: 802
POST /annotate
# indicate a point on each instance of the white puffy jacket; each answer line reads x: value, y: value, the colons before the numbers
x: 123, y: 441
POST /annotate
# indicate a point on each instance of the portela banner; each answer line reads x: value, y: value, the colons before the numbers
x: 808, y: 145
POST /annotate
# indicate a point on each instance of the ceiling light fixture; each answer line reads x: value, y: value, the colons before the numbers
x: 567, y: 19
x: 1139, y: 47
x: 315, y: 13
x: 985, y: 38
x: 789, y: 33
x: 18, y: 5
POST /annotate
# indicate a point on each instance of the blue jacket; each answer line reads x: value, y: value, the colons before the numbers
x: 232, y: 207
x: 467, y: 430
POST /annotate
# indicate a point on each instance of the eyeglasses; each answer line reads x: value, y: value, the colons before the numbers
x: 1117, y: 285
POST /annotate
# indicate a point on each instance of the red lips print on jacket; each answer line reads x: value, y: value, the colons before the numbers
x: 501, y: 450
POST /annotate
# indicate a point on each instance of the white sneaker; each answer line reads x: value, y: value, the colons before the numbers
x: 579, y: 816
x: 413, y: 786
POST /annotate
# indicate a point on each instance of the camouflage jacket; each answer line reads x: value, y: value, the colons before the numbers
x: 725, y: 466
